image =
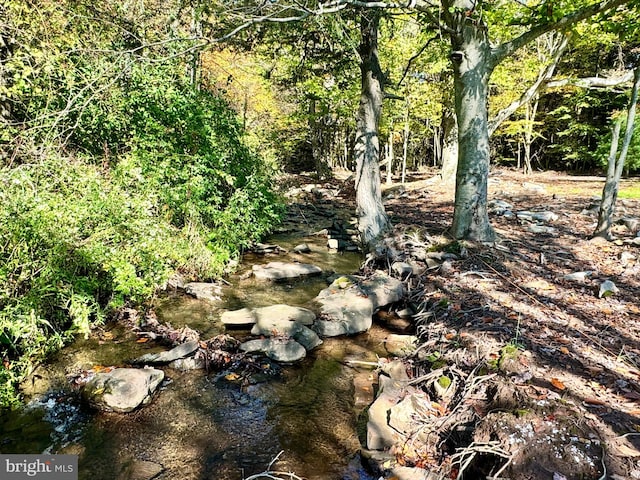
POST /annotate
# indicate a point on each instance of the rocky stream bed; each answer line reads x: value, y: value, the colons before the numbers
x: 429, y: 359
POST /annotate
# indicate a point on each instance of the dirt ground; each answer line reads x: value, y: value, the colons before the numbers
x: 548, y: 368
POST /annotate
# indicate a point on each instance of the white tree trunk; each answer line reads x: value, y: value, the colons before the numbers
x: 372, y: 218
x: 472, y: 67
x: 616, y: 165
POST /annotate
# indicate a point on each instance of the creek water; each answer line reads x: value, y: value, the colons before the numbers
x: 201, y: 426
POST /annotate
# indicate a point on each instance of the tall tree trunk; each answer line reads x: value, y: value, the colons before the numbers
x: 372, y: 218
x: 405, y: 146
x: 390, y: 157
x: 449, y: 146
x: 471, y: 58
x: 530, y: 116
x: 616, y: 165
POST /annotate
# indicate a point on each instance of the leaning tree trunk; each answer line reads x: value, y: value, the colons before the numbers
x: 615, y: 166
x: 471, y: 58
x: 372, y: 218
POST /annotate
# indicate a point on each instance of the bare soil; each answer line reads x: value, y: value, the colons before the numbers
x: 561, y: 398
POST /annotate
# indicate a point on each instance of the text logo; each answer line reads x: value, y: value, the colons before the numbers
x: 39, y: 467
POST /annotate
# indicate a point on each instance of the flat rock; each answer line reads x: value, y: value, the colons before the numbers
x: 383, y: 289
x: 344, y: 311
x: 122, y: 389
x: 272, y: 326
x: 141, y: 470
x: 204, y: 291
x: 301, y: 315
x: 181, y: 351
x: 244, y: 316
x: 284, y: 271
x: 348, y: 304
x: 280, y: 350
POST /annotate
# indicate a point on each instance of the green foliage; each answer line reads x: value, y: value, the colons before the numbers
x: 117, y: 173
x: 632, y: 162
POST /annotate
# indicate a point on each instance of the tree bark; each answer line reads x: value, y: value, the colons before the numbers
x: 615, y: 165
x: 372, y: 218
x: 472, y: 67
x: 449, y: 147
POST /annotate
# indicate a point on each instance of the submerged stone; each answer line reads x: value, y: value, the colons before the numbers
x: 181, y: 351
x: 280, y: 350
x: 283, y: 270
x: 204, y: 291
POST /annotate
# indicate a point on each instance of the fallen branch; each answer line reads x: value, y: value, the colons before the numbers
x: 274, y: 475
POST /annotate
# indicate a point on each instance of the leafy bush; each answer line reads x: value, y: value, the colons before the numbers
x: 161, y: 181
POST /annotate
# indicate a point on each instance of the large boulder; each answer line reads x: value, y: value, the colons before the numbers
x: 392, y: 388
x: 279, y: 349
x: 122, y: 389
x: 284, y: 271
x: 347, y: 305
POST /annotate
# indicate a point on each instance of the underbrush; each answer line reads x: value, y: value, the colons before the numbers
x: 155, y: 179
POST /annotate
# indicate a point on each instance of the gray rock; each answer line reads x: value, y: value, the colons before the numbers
x: 577, y: 276
x: 280, y: 350
x: 347, y: 305
x: 181, y: 351
x: 283, y: 271
x: 301, y: 315
x: 307, y: 338
x: 383, y: 290
x: 542, y: 229
x: 204, y: 291
x: 402, y: 269
x: 379, y: 434
x: 607, y: 288
x: 122, y: 389
x: 282, y: 320
x: 140, y: 470
x: 187, y: 364
x: 537, y: 216
x: 344, y: 311
x: 244, y: 316
x: 302, y: 248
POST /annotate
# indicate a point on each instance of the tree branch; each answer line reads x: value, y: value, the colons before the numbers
x: 540, y: 83
x: 592, y: 82
x: 502, y: 51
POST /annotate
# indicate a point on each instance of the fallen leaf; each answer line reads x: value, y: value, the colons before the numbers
x: 232, y: 377
x: 142, y: 340
x: 558, y: 384
x: 450, y: 336
x: 564, y: 350
x: 594, y: 401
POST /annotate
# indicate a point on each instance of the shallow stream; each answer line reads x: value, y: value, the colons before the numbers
x: 200, y: 426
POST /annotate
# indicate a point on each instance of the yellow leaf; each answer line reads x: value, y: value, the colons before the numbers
x: 564, y: 350
x: 232, y: 377
x: 558, y: 384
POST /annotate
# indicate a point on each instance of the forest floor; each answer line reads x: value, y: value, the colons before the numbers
x: 563, y: 400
